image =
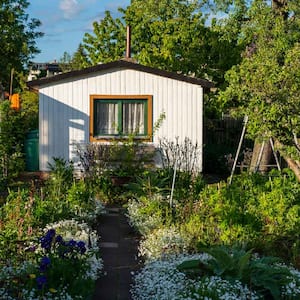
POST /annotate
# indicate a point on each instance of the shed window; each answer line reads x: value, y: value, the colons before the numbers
x: 113, y: 116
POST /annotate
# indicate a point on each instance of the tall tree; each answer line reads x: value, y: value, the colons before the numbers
x: 107, y: 43
x: 266, y: 84
x: 79, y: 59
x: 168, y: 34
x: 17, y: 36
x: 65, y: 62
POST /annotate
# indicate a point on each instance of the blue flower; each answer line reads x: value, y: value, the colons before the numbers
x: 59, y: 239
x: 72, y: 243
x: 45, y: 262
x: 46, y: 242
x: 81, y: 246
x: 50, y: 233
x: 41, y: 281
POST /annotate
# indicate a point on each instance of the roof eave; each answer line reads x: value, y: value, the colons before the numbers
x: 35, y: 84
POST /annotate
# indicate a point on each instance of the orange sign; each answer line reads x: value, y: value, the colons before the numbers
x: 15, y: 101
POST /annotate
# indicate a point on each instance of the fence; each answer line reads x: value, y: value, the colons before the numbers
x: 225, y: 131
x: 221, y: 139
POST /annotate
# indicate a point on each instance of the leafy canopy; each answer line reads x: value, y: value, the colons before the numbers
x: 266, y: 84
x: 172, y: 35
x: 17, y: 34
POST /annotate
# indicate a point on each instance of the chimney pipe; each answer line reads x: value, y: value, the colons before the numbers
x: 128, y: 43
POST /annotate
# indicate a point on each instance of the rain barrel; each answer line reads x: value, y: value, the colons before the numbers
x: 32, y: 151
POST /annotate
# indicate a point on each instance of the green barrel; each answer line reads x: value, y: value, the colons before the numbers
x: 32, y: 151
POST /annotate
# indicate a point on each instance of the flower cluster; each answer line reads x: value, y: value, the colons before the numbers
x: 64, y: 265
x: 160, y: 279
x: 142, y: 218
x: 52, y: 242
x: 162, y: 242
x: 72, y: 229
x: 46, y: 240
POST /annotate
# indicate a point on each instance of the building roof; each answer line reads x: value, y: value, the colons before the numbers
x: 126, y: 64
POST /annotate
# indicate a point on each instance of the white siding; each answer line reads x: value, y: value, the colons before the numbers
x: 64, y: 108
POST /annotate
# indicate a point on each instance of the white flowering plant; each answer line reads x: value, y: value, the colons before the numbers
x: 146, y: 213
x: 266, y: 275
x: 161, y: 279
x: 162, y: 242
x: 164, y: 279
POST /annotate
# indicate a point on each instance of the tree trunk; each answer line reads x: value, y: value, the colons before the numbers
x: 293, y: 164
x: 261, y: 157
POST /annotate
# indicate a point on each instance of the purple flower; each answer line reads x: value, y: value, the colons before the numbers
x: 50, y: 233
x: 46, y: 242
x: 81, y: 246
x: 41, y: 281
x: 59, y: 239
x: 45, y: 262
x: 72, y: 243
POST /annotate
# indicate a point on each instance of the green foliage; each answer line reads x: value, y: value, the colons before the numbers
x: 12, y: 134
x: 265, y: 85
x: 148, y: 213
x: 18, y: 35
x: 151, y: 182
x: 261, y: 211
x: 17, y: 222
x: 265, y: 275
x: 171, y: 35
x: 77, y: 61
x: 105, y: 44
x: 60, y: 179
x: 30, y: 110
x: 80, y: 197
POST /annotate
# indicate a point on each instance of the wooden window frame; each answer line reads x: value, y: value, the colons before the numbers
x: 122, y: 98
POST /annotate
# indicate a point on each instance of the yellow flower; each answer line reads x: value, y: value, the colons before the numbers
x: 32, y: 276
x: 52, y: 290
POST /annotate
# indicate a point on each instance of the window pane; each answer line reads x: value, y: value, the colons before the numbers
x: 133, y: 118
x: 106, y: 118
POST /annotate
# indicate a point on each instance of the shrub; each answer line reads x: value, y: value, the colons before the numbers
x: 17, y: 223
x: 163, y: 242
x: 255, y: 209
x: 147, y: 213
x: 60, y: 179
x: 267, y: 276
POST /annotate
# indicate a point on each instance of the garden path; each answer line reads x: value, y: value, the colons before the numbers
x: 118, y: 248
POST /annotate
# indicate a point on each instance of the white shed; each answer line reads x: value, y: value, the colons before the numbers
x: 97, y: 103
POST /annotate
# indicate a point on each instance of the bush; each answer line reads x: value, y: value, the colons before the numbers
x: 163, y: 242
x: 267, y: 276
x: 60, y: 179
x: 146, y: 214
x: 255, y: 209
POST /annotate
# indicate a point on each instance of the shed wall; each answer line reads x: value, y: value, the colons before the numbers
x: 64, y: 109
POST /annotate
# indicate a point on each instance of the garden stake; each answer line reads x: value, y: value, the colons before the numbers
x: 173, y: 183
x: 239, y: 148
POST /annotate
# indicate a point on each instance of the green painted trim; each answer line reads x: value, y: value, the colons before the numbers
x: 120, y: 101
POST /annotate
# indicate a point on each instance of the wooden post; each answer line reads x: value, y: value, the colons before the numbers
x: 128, y: 43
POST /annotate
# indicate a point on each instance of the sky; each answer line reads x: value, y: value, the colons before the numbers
x: 64, y: 23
